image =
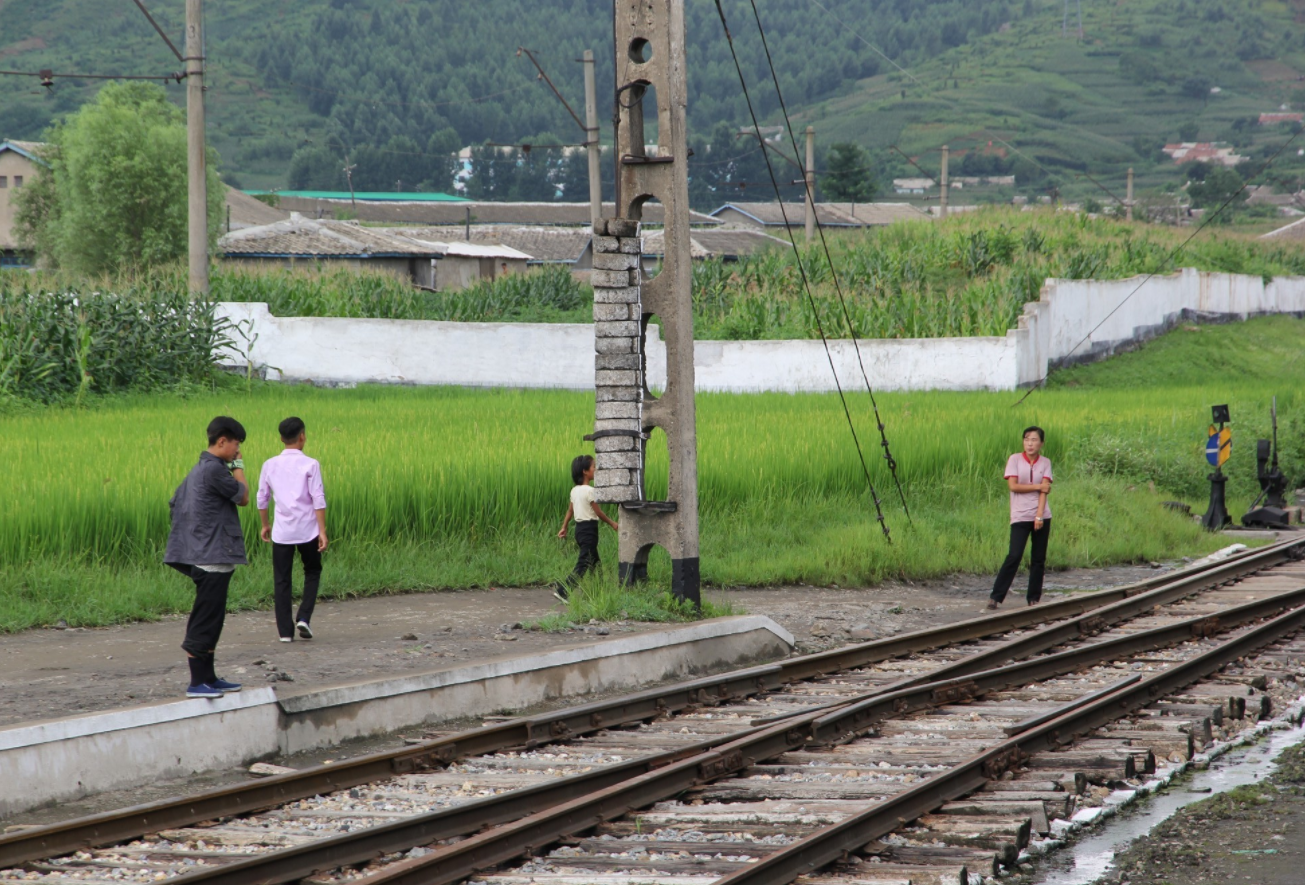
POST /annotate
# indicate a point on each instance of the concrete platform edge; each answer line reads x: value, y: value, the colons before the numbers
x: 47, y: 762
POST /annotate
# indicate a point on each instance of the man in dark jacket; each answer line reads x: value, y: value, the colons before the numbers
x: 206, y: 544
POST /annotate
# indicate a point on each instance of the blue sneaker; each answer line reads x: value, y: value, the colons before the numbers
x: 226, y: 687
x: 204, y: 691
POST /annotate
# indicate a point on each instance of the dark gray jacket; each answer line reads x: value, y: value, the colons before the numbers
x: 205, y: 522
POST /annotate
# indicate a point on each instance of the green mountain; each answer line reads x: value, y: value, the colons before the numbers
x: 297, y: 87
x: 1037, y: 99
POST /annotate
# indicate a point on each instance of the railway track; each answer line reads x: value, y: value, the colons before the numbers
x: 931, y: 757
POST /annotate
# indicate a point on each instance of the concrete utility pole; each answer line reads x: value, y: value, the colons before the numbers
x: 1128, y: 196
x: 944, y: 187
x: 650, y: 53
x: 591, y: 139
x: 196, y: 160
x: 811, y: 183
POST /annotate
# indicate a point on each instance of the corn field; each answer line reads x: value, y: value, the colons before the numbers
x: 70, y: 343
x: 970, y: 276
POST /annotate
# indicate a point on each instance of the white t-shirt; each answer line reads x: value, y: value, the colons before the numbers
x: 582, y: 500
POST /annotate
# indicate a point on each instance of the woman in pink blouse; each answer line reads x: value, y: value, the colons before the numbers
x: 1028, y: 475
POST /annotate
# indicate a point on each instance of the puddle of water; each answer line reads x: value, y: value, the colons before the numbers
x: 1092, y: 856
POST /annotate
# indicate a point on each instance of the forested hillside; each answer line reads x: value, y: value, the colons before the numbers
x: 300, y: 87
x: 413, y: 78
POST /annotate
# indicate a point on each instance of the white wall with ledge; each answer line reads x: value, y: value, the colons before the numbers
x: 1052, y: 331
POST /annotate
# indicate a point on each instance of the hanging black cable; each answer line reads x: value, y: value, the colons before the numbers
x: 833, y: 274
x: 1205, y: 222
x: 806, y: 284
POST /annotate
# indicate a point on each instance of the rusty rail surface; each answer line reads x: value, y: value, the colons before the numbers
x: 528, y: 732
x: 581, y: 801
x: 830, y: 844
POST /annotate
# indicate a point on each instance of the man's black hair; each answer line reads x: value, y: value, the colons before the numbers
x: 222, y: 426
x: 1042, y: 435
x: 578, y: 467
x: 290, y: 429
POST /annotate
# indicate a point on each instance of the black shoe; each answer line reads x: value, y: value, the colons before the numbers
x: 305, y: 632
x: 226, y: 687
x: 560, y: 593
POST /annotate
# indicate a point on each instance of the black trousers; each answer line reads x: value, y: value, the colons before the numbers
x: 209, y: 613
x: 283, y: 562
x: 586, y: 535
x: 1020, y: 532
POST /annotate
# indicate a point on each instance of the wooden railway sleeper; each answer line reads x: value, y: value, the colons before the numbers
x: 449, y: 749
x: 816, y: 850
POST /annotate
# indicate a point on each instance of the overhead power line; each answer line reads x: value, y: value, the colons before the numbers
x: 48, y: 75
x: 806, y: 284
x: 833, y: 273
x: 166, y: 39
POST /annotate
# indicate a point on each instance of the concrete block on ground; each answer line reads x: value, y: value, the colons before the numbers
x: 70, y: 758
x: 63, y: 759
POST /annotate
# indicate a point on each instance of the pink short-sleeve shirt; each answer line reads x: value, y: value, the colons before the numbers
x: 1024, y: 505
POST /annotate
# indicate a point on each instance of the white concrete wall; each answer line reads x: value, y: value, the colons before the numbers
x: 1052, y: 331
x: 1080, y: 320
x: 346, y: 351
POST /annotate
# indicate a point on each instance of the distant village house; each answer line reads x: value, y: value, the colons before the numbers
x: 1203, y: 152
x: 18, y: 166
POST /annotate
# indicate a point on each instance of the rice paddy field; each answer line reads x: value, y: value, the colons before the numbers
x: 433, y: 488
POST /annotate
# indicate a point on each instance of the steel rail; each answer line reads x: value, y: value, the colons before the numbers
x: 1089, y: 623
x: 721, y: 757
x: 859, y: 714
x: 528, y: 732
x: 856, y: 717
x: 828, y: 845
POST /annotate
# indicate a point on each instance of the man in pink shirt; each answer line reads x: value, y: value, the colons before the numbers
x: 1028, y: 475
x: 294, y: 481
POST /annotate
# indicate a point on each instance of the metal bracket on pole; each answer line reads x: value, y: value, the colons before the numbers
x: 650, y: 47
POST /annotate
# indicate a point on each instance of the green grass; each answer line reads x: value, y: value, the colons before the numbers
x: 436, y: 488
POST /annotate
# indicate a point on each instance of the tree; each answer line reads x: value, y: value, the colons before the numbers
x: 1220, y: 185
x: 316, y: 168
x: 849, y: 178
x: 113, y: 195
x: 1196, y: 86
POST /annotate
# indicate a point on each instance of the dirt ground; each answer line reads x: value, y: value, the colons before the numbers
x: 51, y: 673
x: 1254, y: 833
